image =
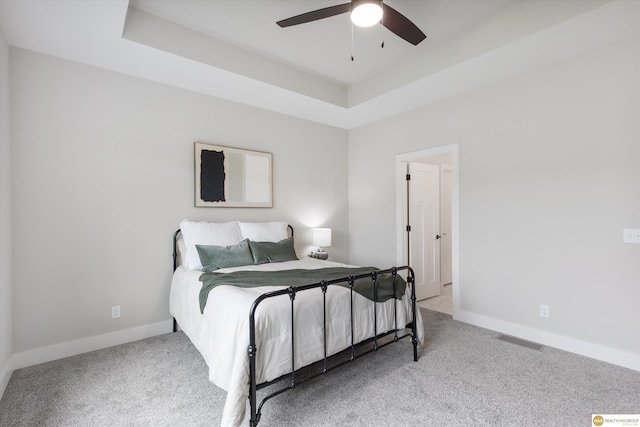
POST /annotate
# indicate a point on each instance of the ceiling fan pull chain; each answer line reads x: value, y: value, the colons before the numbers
x: 382, y: 29
x: 352, y: 43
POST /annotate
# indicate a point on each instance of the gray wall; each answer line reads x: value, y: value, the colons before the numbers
x: 103, y: 172
x: 6, y: 312
x: 548, y: 179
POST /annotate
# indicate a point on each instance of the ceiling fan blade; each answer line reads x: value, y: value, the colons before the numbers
x: 315, y: 15
x: 400, y: 25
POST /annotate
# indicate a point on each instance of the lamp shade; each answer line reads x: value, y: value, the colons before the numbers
x: 366, y: 13
x: 321, y: 237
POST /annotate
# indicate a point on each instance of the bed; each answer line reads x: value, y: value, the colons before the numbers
x: 253, y: 334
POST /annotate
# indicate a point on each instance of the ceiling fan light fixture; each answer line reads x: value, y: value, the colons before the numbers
x: 366, y: 14
x: 376, y: 10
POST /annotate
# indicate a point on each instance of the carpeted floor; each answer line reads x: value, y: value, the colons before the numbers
x: 464, y: 377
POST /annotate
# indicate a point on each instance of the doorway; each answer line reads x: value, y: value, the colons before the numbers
x: 432, y: 244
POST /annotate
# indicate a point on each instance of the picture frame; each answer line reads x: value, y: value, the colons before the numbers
x: 232, y: 177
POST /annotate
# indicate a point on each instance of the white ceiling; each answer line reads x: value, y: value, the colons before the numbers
x: 322, y: 47
x: 233, y: 49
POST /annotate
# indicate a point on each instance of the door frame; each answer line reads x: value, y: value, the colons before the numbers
x: 445, y: 171
x: 401, y: 255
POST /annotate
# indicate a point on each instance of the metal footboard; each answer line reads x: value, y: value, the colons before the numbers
x: 256, y: 408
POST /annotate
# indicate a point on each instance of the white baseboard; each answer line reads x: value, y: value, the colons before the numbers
x: 84, y: 345
x: 583, y: 348
x: 4, y: 380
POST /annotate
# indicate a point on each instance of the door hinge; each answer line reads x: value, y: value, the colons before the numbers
x: 408, y: 228
x: 408, y: 177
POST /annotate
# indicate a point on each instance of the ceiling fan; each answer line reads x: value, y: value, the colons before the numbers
x: 365, y: 13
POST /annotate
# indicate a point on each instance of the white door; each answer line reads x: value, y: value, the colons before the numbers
x: 445, y: 225
x: 424, y: 219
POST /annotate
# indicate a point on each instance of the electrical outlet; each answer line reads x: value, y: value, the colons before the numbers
x: 115, y: 311
x: 544, y: 310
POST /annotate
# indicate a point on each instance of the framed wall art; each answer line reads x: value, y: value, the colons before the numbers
x: 232, y: 177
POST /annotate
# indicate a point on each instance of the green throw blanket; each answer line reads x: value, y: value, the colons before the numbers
x: 300, y: 277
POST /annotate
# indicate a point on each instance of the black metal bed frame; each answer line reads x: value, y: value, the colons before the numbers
x: 256, y: 409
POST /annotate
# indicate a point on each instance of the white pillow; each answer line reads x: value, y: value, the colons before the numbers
x: 207, y: 233
x: 264, y: 231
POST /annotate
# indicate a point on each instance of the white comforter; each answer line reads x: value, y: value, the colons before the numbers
x: 221, y: 334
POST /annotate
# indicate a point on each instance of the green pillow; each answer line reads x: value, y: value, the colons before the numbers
x: 264, y: 252
x: 215, y: 257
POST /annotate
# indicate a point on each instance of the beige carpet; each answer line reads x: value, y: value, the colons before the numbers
x: 464, y: 377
